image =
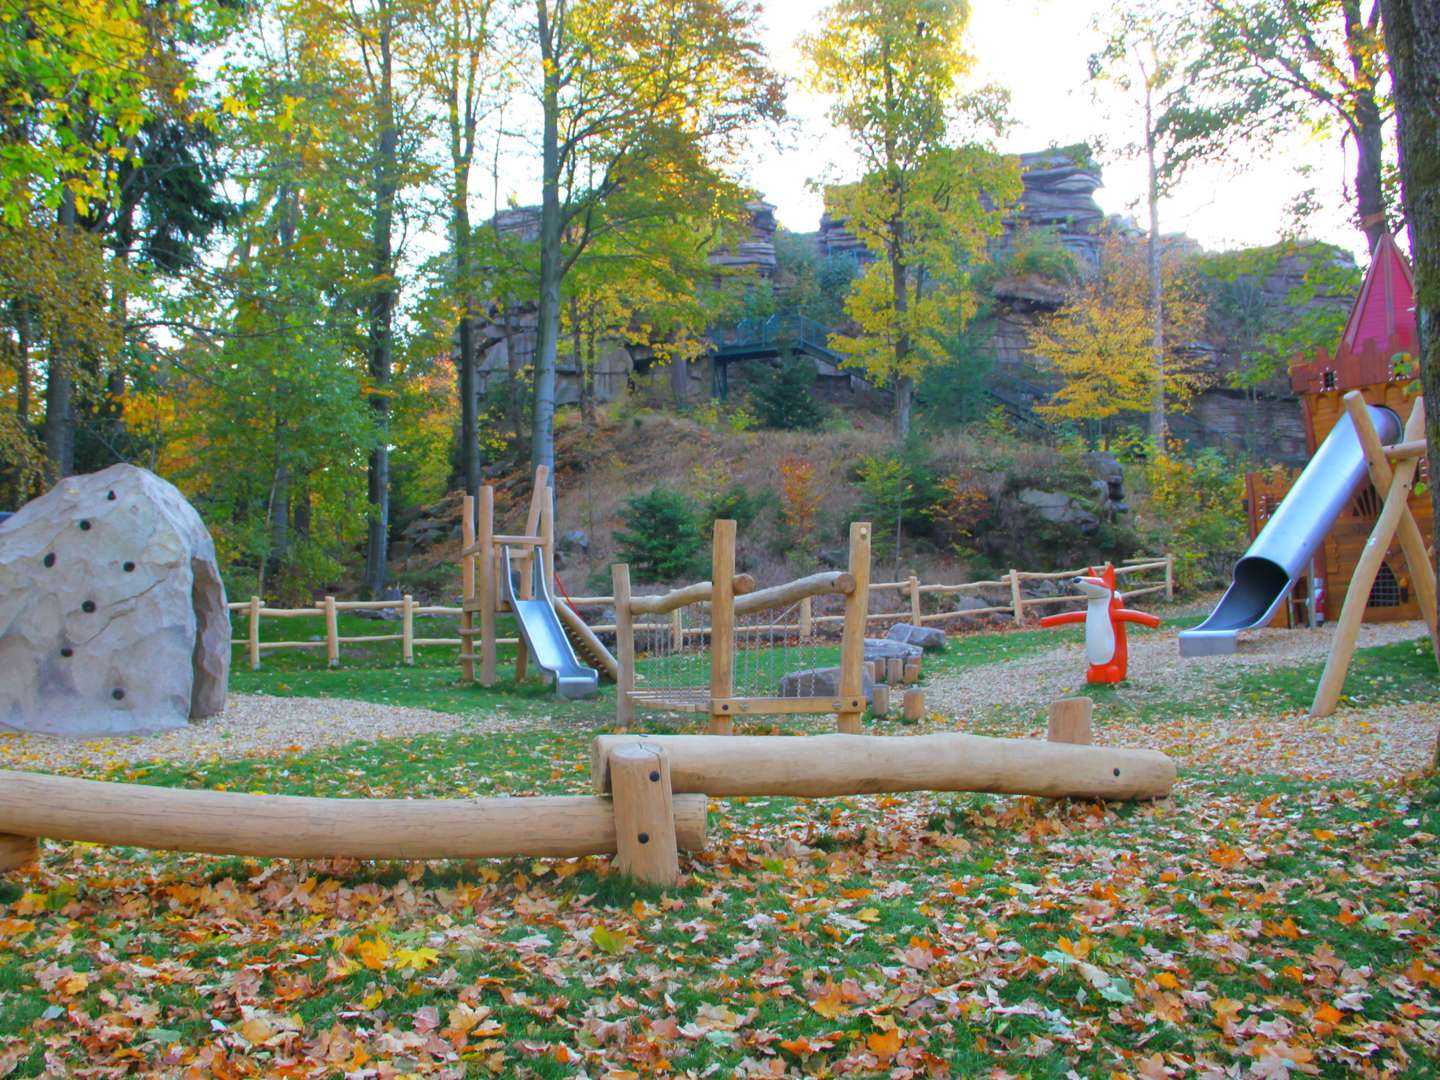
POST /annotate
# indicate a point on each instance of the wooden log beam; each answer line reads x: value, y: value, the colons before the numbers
x: 296, y: 827
x: 831, y: 581
x: 823, y: 766
x: 699, y: 593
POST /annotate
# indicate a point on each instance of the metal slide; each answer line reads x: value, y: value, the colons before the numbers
x: 543, y: 634
x: 1282, y: 552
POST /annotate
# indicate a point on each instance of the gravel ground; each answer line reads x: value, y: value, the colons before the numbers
x: 252, y: 724
x: 1040, y: 678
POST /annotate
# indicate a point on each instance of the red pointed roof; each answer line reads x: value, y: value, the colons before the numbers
x: 1383, y: 317
x: 1381, y: 325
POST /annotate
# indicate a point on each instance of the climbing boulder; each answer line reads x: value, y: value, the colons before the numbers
x: 885, y: 649
x: 819, y: 682
x: 926, y: 637
x: 112, y: 612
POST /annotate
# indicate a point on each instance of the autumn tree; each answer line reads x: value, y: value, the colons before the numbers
x: 1143, y: 58
x: 1101, y: 343
x: 629, y: 92
x: 924, y: 207
x: 1257, y: 70
x: 461, y: 71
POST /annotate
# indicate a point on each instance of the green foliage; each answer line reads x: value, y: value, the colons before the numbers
x: 898, y: 491
x: 736, y: 503
x: 1269, y: 336
x: 662, y: 538
x: 783, y: 397
x: 1196, y: 507
x: 1039, y: 251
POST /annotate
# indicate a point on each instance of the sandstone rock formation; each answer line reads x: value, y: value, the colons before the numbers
x: 112, y: 612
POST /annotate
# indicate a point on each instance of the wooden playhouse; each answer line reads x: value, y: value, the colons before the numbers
x: 1372, y: 357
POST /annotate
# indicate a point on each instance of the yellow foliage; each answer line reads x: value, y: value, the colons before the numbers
x: 1101, y: 342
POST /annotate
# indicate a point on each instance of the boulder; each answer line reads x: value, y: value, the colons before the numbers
x: 1059, y: 507
x: 886, y: 649
x: 819, y: 682
x: 926, y: 637
x: 389, y: 614
x: 112, y: 612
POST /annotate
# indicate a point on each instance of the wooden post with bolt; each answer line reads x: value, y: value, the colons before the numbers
x: 852, y: 644
x: 645, y: 843
x: 1070, y: 720
x: 722, y: 625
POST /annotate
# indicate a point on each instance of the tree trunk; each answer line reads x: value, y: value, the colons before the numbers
x: 1369, y: 133
x: 59, y: 429
x: 1157, y: 315
x: 382, y: 315
x: 461, y: 154
x: 904, y: 384
x: 1412, y: 37
x: 21, y: 310
x: 300, y: 508
x: 547, y: 330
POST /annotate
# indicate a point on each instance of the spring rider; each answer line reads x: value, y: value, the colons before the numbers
x: 1105, y: 616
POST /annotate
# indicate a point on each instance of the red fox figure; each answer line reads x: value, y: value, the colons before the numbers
x: 1105, y: 616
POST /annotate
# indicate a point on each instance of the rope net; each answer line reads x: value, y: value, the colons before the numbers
x: 675, y: 652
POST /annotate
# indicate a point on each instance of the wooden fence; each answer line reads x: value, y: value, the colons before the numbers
x: 911, y: 589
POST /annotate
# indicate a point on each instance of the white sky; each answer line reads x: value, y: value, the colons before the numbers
x: 1038, y: 49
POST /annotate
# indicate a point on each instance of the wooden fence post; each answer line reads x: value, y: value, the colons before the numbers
x: 677, y: 629
x: 1017, y: 597
x: 332, y: 634
x: 254, y: 633
x: 485, y: 584
x: 852, y: 644
x: 722, y: 625
x: 1170, y: 577
x: 914, y: 584
x: 807, y: 617
x: 624, y: 646
x: 645, y: 843
x: 407, y: 629
x: 467, y: 589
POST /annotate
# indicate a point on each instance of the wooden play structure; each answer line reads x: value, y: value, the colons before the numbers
x: 1393, y: 473
x: 1381, y: 328
x: 720, y: 661
x: 500, y: 573
x: 650, y: 802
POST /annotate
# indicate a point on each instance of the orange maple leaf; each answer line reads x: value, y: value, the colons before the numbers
x: 884, y: 1044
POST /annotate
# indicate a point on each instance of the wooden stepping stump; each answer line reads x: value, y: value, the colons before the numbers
x: 645, y: 844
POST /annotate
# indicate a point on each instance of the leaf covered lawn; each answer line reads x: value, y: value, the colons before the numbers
x: 1258, y: 924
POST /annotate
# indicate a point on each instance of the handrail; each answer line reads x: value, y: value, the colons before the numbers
x: 698, y: 593
x: 837, y: 582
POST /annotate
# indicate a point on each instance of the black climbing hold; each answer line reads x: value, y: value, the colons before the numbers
x: 88, y: 606
x: 1117, y: 772
x: 49, y: 560
x: 84, y: 526
x: 654, y: 775
x: 644, y: 837
x: 67, y: 652
x: 110, y: 495
x: 117, y: 694
x: 128, y: 567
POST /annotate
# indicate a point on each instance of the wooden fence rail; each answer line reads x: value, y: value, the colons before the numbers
x: 911, y: 589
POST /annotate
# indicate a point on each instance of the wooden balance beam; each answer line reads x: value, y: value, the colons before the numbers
x: 296, y: 827
x: 823, y: 766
